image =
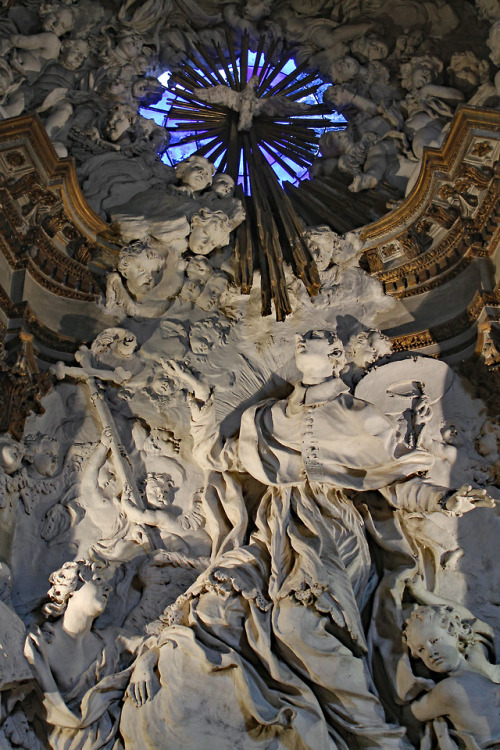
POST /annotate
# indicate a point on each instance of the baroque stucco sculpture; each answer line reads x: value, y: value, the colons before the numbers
x: 256, y: 586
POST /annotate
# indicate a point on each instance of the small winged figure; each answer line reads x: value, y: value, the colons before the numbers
x: 248, y: 104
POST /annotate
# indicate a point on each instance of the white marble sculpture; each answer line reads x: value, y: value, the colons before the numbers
x: 279, y: 580
x: 466, y: 699
x: 139, y: 270
x: 251, y: 510
x: 78, y: 668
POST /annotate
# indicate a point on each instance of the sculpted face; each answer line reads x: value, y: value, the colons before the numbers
x: 452, y: 435
x: 421, y: 76
x: 130, y: 47
x: 254, y: 10
x: 54, y: 522
x: 344, y: 69
x: 208, y: 235
x: 11, y: 455
x: 45, y: 460
x: 223, y: 185
x: 380, y: 343
x: 142, y: 275
x: 437, y: 648
x: 210, y: 297
x: 319, y: 352
x: 74, y: 54
x: 362, y: 352
x: 119, y: 121
x: 106, y: 480
x: 320, y: 246
x: 92, y: 597
x: 126, y: 345
x: 197, y: 174
x: 141, y: 65
x: 58, y: 22
x: 160, y: 490
x: 370, y: 48
x: 199, y: 344
x: 198, y: 268
x: 162, y: 384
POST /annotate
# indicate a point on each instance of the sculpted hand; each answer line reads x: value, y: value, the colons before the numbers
x: 142, y: 684
x: 466, y: 499
x: 107, y: 437
x: 416, y: 588
x: 182, y: 373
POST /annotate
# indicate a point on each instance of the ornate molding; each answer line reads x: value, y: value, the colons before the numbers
x: 450, y: 220
x: 47, y: 229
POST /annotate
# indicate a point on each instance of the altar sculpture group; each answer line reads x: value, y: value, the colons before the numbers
x: 396, y: 71
x: 262, y: 642
x: 208, y: 541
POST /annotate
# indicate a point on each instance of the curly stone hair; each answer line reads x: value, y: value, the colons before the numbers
x: 65, y: 581
x: 443, y: 616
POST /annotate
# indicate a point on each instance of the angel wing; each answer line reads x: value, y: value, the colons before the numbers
x: 281, y: 106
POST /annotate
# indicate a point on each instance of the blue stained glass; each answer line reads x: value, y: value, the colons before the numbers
x: 178, y: 150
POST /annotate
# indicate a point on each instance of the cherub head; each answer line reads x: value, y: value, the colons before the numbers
x: 204, y: 334
x: 319, y: 354
x: 466, y: 71
x: 117, y: 341
x: 223, y: 185
x: 59, y: 22
x: 141, y: 267
x: 198, y: 268
x: 209, y: 230
x: 360, y: 350
x: 129, y: 45
x: 369, y: 48
x: 420, y: 71
x: 195, y: 172
x: 56, y: 521
x: 380, y: 343
x: 436, y: 635
x: 215, y: 287
x: 147, y: 90
x: 121, y: 117
x: 43, y: 453
x: 80, y: 585
x: 344, y: 69
x: 160, y: 488
x: 319, y: 241
x: 255, y: 10
x: 73, y: 53
x: 11, y: 453
x: 162, y: 385
x: 107, y: 481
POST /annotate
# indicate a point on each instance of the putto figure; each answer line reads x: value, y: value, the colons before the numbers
x: 140, y: 269
x: 466, y: 697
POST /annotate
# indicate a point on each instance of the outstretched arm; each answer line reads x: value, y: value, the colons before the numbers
x: 94, y: 463
x: 421, y: 595
x: 417, y: 495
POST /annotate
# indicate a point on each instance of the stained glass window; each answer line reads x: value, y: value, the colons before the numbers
x: 184, y: 142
